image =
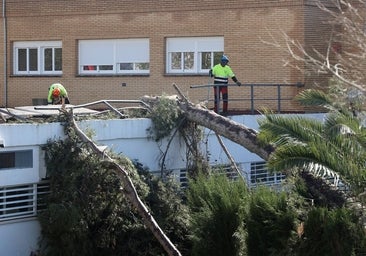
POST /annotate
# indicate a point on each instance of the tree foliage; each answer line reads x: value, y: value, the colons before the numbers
x: 216, y: 205
x: 165, y: 116
x: 334, y: 147
x: 87, y: 214
x: 270, y: 223
x: 332, y: 233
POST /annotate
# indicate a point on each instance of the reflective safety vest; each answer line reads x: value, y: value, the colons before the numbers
x: 222, y: 74
x: 63, y: 92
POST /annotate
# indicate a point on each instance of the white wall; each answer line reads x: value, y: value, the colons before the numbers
x: 126, y: 136
x: 239, y: 153
x: 19, y: 238
x: 16, y: 135
x: 130, y: 137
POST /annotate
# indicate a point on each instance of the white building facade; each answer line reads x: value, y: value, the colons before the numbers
x: 22, y: 167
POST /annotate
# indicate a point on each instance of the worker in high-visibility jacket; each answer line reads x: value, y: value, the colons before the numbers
x: 221, y: 73
x: 57, y: 94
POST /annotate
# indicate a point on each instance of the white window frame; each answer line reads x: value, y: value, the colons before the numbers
x: 23, y: 159
x: 195, y: 45
x: 18, y: 174
x: 40, y: 46
x: 114, y: 52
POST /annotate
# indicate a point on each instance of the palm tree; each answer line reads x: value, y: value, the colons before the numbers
x: 334, y: 147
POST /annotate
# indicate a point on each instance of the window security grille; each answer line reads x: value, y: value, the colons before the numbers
x: 230, y: 173
x: 22, y: 201
x: 259, y: 175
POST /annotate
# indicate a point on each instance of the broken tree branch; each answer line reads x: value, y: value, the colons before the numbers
x: 128, y: 188
x: 231, y: 159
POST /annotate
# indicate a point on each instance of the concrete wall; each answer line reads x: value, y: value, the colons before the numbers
x: 127, y: 136
x: 19, y: 238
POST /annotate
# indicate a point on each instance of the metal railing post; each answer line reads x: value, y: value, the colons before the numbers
x: 279, y: 98
x: 217, y: 100
x: 252, y: 98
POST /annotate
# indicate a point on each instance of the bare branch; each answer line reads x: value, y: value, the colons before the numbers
x: 344, y: 54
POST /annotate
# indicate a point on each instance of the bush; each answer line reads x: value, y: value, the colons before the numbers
x: 88, y: 214
x: 216, y: 205
x: 270, y: 223
x: 332, y: 232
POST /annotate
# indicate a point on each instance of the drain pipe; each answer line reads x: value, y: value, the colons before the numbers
x: 5, y: 55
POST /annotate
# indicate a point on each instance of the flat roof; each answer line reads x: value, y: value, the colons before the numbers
x: 40, y: 111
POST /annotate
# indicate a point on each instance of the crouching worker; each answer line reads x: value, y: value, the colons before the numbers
x: 57, y: 94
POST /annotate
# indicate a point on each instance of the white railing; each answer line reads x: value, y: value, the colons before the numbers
x: 22, y: 201
x: 258, y: 174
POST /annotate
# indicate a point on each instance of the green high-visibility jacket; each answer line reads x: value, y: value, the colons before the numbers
x: 222, y: 74
x: 63, y: 92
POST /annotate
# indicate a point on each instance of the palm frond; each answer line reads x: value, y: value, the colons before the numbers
x: 312, y: 97
x: 302, y: 158
x: 293, y: 128
x: 333, y: 148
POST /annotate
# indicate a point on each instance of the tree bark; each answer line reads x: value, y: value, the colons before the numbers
x: 225, y: 127
x: 128, y: 189
x: 247, y: 138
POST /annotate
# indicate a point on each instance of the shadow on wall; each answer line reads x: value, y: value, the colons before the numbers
x: 39, y: 102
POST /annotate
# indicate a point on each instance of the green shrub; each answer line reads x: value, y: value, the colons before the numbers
x: 270, y: 223
x: 332, y: 232
x: 87, y: 213
x: 216, y: 205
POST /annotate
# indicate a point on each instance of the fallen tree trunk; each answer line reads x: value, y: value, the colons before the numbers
x: 225, y: 127
x: 248, y: 138
x: 128, y: 188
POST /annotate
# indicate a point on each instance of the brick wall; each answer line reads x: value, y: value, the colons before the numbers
x: 247, y: 27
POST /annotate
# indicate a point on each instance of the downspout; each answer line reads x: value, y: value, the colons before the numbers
x: 5, y: 55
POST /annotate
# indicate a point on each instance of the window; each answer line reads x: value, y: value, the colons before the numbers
x: 260, y: 175
x: 22, y: 201
x: 217, y: 169
x: 193, y: 55
x: 16, y: 159
x: 38, y: 58
x: 117, y: 56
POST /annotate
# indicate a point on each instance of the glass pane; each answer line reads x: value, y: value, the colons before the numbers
x: 126, y: 66
x: 89, y: 67
x: 48, y: 59
x: 58, y: 59
x: 217, y: 57
x: 206, y: 60
x: 22, y: 59
x: 188, y: 60
x: 17, y: 159
x: 7, y: 160
x: 33, y: 59
x: 24, y: 159
x: 142, y: 66
x: 176, y: 60
x: 105, y: 67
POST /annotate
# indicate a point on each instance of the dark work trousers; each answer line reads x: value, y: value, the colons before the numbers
x: 224, y: 92
x: 56, y: 101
